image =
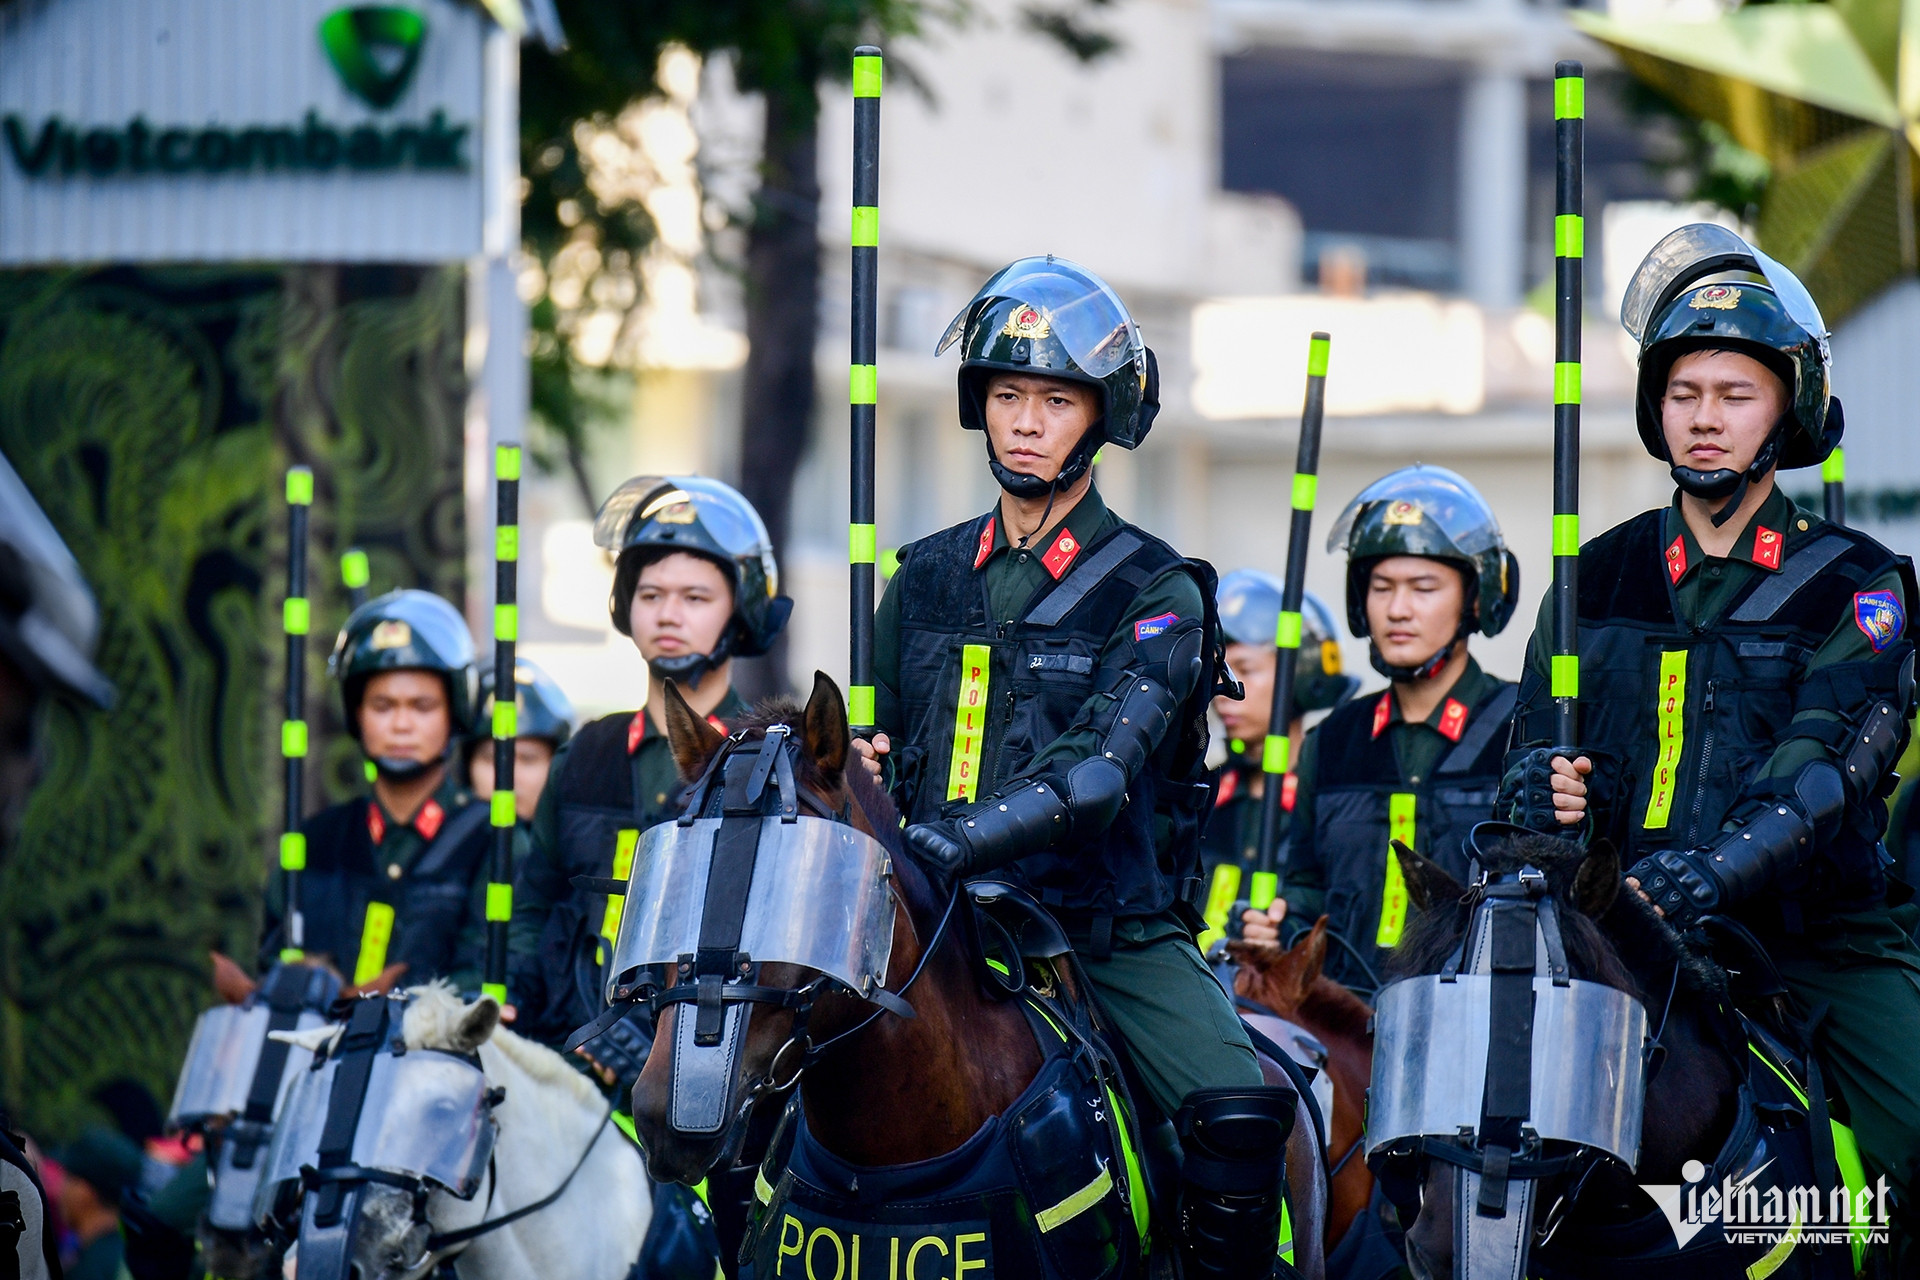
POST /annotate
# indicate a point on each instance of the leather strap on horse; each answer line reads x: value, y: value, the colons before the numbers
x: 285, y: 994
x: 435, y: 1243
x: 736, y: 850
x: 365, y: 1036
x: 1508, y: 1097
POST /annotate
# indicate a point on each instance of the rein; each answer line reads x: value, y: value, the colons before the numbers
x: 441, y: 1240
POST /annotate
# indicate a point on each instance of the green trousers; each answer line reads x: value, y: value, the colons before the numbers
x: 1175, y: 1017
x: 1866, y: 969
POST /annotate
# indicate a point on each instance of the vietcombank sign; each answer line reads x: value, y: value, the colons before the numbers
x: 237, y: 129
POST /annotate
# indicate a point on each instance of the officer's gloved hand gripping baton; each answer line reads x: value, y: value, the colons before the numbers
x: 1274, y: 752
x: 863, y: 379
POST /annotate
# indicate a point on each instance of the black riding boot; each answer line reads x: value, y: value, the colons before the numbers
x: 1231, y: 1181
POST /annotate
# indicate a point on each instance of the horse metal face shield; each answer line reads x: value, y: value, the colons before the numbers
x: 1501, y: 1053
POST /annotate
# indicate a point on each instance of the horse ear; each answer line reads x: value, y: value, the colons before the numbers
x: 1314, y: 958
x: 1597, y: 883
x: 476, y: 1024
x: 826, y: 726
x: 230, y: 981
x: 691, y: 738
x: 1427, y: 883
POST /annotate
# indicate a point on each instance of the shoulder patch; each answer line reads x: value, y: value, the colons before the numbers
x: 1453, y: 719
x: 1878, y: 614
x: 1767, y: 545
x: 1382, y: 712
x: 1677, y: 559
x: 1147, y: 628
x: 985, y: 548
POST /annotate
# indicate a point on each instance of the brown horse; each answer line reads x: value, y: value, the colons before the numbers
x: 1289, y: 983
x: 898, y: 1090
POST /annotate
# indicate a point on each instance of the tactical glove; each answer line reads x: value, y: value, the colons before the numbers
x: 988, y: 835
x: 1682, y: 884
x: 1526, y: 794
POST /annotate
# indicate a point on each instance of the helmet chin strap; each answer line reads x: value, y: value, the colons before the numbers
x: 1724, y: 482
x: 403, y: 768
x: 1021, y: 485
x: 1428, y: 669
x: 690, y: 669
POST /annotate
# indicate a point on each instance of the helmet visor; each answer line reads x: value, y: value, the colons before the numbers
x: 724, y: 514
x: 1083, y: 313
x: 1432, y: 493
x: 1696, y: 251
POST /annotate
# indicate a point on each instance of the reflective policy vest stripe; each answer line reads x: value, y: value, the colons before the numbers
x: 969, y: 723
x: 1393, y: 897
x: 623, y: 847
x: 375, y: 933
x: 1670, y: 713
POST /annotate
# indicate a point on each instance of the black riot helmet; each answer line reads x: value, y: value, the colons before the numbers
x: 1048, y: 316
x: 541, y: 707
x: 405, y: 630
x: 48, y: 620
x: 1703, y: 288
x: 651, y: 517
x: 1433, y: 513
x: 1249, y: 602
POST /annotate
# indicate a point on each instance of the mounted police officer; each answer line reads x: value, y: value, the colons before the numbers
x: 1421, y: 763
x: 398, y: 877
x: 694, y: 586
x: 1043, y: 672
x: 544, y: 717
x: 1249, y: 603
x: 1746, y: 676
x: 48, y: 627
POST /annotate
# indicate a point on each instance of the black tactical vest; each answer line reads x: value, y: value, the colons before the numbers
x: 1360, y: 805
x: 1693, y: 714
x: 978, y: 700
x: 601, y: 810
x: 429, y: 900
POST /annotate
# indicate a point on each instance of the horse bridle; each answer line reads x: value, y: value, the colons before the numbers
x: 718, y: 974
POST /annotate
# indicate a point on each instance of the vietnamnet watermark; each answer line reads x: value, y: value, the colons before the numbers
x: 1775, y: 1216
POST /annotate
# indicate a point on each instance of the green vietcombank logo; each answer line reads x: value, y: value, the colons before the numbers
x: 375, y: 48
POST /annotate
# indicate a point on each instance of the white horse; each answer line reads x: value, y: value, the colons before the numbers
x: 553, y: 1131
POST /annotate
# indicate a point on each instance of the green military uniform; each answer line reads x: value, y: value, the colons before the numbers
x: 630, y: 751
x: 1418, y: 746
x: 367, y: 902
x: 1862, y: 965
x: 1152, y: 981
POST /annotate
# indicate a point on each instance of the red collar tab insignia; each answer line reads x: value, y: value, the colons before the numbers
x: 428, y: 821
x: 1060, y: 556
x: 376, y: 822
x: 1382, y: 712
x: 1229, y: 787
x: 1677, y: 559
x: 1766, y: 547
x: 1289, y: 789
x: 636, y: 730
x: 1453, y: 719
x: 985, y: 548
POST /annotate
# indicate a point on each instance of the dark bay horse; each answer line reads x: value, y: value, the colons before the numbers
x: 897, y: 1091
x: 1692, y: 1100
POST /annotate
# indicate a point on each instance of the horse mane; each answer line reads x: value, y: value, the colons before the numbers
x: 435, y: 1010
x: 1630, y: 947
x: 1338, y: 1010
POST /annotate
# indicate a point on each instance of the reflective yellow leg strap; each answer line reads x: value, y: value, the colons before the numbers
x: 1286, y: 1233
x: 1077, y: 1203
x: 1221, y: 895
x: 1776, y: 1257
x: 375, y: 934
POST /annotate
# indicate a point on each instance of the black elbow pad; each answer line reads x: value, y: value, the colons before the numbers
x: 1096, y: 789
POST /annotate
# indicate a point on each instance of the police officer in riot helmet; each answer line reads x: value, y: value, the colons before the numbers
x: 1042, y: 675
x: 48, y: 627
x: 695, y: 586
x: 1421, y: 763
x: 398, y: 877
x: 543, y: 720
x: 1249, y: 603
x: 1746, y: 677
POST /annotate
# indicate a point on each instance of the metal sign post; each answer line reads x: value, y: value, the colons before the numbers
x: 1276, y: 751
x: 296, y: 619
x: 863, y: 377
x: 506, y: 729
x: 1569, y: 235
